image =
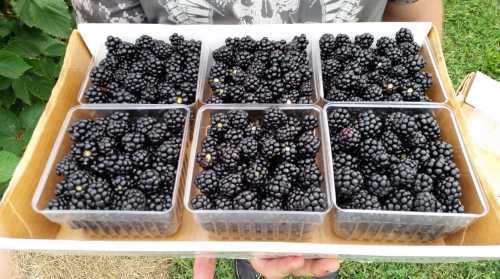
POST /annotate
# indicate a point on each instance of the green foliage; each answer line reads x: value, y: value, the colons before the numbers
x: 33, y: 37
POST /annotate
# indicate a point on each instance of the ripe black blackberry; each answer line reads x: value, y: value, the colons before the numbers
x: 374, y: 154
x: 455, y: 207
x: 134, y: 200
x: 231, y: 185
x: 440, y: 168
x: 441, y: 149
x: 202, y: 202
x: 288, y: 151
x: 342, y: 159
x: 308, y: 145
x: 248, y: 147
x: 271, y: 204
x: 423, y: 183
x: 399, y: 200
x: 96, y: 95
x: 289, y: 130
x: 274, y: 118
x: 314, y: 200
x: 158, y: 133
x: 174, y: 119
x: 66, y: 166
x: 404, y: 35
x: 207, y: 182
x: 278, y: 186
x: 287, y: 169
x: 82, y: 130
x: 223, y: 203
x: 246, y: 200
x: 349, y: 139
x: 122, y: 183
x: 364, y: 40
x: 403, y: 175
x: 392, y: 143
x: 339, y: 118
x: 168, y: 151
x: 84, y: 152
x: 364, y: 200
x: 369, y: 124
x: 327, y: 44
x: 270, y: 147
x: 402, y: 124
x: 118, y: 124
x: 159, y: 202
x: 133, y: 141
x: 168, y: 173
x: 149, y: 181
x: 141, y: 158
x: 223, y: 54
x: 448, y: 190
x: 379, y: 185
x: 256, y: 174
x: 219, y: 122
x: 348, y: 182
x: 230, y: 158
x: 426, y: 202
x: 310, y: 122
x: 373, y: 93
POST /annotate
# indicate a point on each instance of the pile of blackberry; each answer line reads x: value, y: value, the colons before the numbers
x: 148, y: 71
x: 260, y: 163
x: 264, y: 71
x: 389, y: 71
x: 123, y: 161
x: 393, y: 160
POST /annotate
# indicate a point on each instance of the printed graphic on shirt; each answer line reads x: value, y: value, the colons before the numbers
x: 109, y: 11
x: 260, y: 11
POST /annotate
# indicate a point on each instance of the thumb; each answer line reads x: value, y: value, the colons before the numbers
x: 277, y: 267
x: 204, y: 268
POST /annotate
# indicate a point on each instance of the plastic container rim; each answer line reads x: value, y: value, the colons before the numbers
x: 60, y: 137
x: 477, y: 185
x: 254, y: 107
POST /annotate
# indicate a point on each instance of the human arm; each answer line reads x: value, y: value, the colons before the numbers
x: 416, y: 10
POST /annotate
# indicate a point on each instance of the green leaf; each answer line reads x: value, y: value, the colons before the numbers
x: 4, y: 83
x: 45, y: 67
x: 8, y: 163
x: 6, y: 26
x: 13, y: 144
x: 7, y: 98
x: 3, y: 187
x: 23, y: 47
x: 52, y: 47
x: 21, y: 90
x: 30, y: 115
x: 11, y: 65
x: 52, y: 16
x: 10, y: 123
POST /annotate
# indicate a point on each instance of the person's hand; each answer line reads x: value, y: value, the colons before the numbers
x: 280, y: 267
x: 204, y: 267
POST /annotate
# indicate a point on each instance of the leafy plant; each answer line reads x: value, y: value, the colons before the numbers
x: 33, y: 37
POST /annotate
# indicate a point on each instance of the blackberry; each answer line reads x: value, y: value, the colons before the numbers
x: 308, y: 145
x: 253, y: 129
x: 117, y: 124
x: 288, y: 151
x: 369, y: 124
x: 233, y: 136
x: 455, y: 207
x: 223, y: 54
x: 246, y: 200
x: 159, y: 202
x: 271, y: 204
x: 402, y: 124
x: 404, y: 174
x: 256, y: 174
x: 295, y: 201
x: 423, y: 183
x: 133, y: 141
x: 231, y: 185
x: 373, y: 93
x: 440, y: 168
x: 426, y: 202
x: 399, y: 200
x: 207, y: 182
x: 168, y: 151
x: 118, y: 163
x: 133, y: 199
x: 141, y: 158
x: 100, y: 75
x: 230, y: 158
x: 223, y: 203
x: 327, y: 44
x: 98, y: 195
x: 364, y: 200
x: 343, y: 159
x: 168, y: 173
x: 417, y: 139
x: 392, y: 143
x: 339, y: 118
x: 310, y: 122
x: 270, y: 147
x: 374, y: 154
x: 66, y: 166
x: 441, y: 149
x: 202, y: 202
x: 423, y: 79
x: 58, y: 203
x: 158, y: 133
x: 84, y: 152
x: 174, y: 119
x: 404, y: 35
x: 81, y: 130
x: 96, y: 95
x: 364, y: 40
x: 349, y: 138
x: 207, y: 158
x: 219, y: 122
x: 379, y: 185
x: 279, y: 186
x: 243, y: 59
x: 314, y: 200
x: 331, y: 68
x: 149, y: 181
x: 287, y: 169
x: 289, y: 131
x: 274, y: 118
x: 239, y: 119
x: 348, y: 182
x: 415, y: 63
x: 448, y: 190
x: 422, y: 155
x: 249, y: 148
x: 121, y: 183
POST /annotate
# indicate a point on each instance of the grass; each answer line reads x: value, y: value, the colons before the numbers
x: 472, y: 43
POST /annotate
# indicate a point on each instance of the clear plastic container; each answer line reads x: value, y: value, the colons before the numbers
x: 436, y: 92
x: 255, y: 224
x: 411, y: 226
x: 287, y: 35
x: 101, y: 54
x: 111, y: 223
